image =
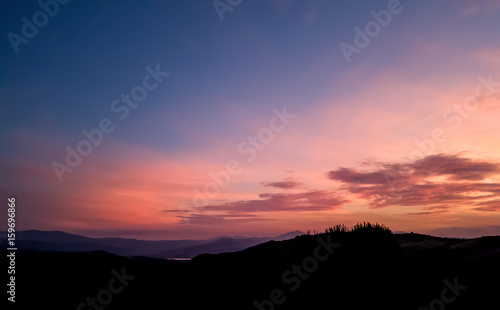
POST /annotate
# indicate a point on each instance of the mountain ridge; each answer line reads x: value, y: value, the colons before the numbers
x: 60, y: 241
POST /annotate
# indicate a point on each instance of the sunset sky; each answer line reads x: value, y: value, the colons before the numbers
x: 251, y: 121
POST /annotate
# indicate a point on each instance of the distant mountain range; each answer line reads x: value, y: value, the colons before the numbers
x: 59, y: 241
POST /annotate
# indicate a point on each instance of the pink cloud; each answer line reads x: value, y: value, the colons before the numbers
x: 464, y: 183
x: 306, y: 201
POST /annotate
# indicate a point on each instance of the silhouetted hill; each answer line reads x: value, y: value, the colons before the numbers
x: 363, y: 269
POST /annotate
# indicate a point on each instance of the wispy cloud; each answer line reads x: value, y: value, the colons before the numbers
x: 491, y: 205
x: 206, y: 219
x: 314, y: 200
x: 283, y: 184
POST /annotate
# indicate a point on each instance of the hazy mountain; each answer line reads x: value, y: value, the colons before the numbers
x: 59, y: 241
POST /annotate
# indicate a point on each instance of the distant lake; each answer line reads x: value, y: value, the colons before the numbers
x: 179, y: 258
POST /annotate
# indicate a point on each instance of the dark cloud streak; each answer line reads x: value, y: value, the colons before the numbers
x: 283, y: 184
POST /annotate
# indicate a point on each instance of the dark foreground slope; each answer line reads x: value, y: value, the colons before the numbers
x: 360, y: 270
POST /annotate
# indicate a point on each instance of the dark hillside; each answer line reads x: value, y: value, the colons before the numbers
x: 367, y: 268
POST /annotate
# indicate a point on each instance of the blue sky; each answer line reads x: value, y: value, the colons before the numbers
x: 226, y: 77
